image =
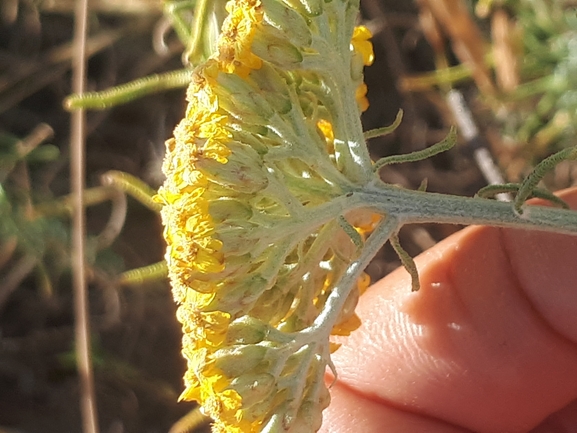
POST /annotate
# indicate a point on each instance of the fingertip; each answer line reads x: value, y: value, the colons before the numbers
x: 544, y: 265
x: 351, y: 412
x: 569, y: 195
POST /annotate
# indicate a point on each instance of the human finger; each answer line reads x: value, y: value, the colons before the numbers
x: 487, y: 344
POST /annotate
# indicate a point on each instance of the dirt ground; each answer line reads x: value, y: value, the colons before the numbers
x: 138, y: 366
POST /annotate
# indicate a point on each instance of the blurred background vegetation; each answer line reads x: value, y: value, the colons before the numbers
x: 515, y: 62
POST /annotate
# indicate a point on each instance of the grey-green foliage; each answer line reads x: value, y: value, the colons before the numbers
x: 542, y: 111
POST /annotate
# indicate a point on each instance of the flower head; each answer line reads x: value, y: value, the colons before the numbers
x: 257, y: 177
x: 234, y: 45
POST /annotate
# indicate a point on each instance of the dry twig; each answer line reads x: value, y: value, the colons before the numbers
x: 82, y: 325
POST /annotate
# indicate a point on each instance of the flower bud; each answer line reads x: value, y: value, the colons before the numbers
x: 310, y: 7
x: 227, y: 209
x: 357, y: 66
x: 260, y: 409
x: 273, y: 87
x: 236, y: 361
x: 270, y: 45
x: 243, y: 172
x: 273, y: 305
x: 237, y: 240
x: 236, y: 297
x: 288, y: 21
x: 253, y: 137
x: 309, y: 418
x: 242, y: 100
x: 246, y: 330
x: 253, y: 387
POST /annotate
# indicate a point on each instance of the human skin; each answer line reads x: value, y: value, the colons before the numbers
x: 488, y: 344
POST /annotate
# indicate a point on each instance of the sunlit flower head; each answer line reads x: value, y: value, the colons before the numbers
x: 255, y: 176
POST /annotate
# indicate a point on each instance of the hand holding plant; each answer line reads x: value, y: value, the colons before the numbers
x: 488, y: 344
x: 269, y: 201
x: 272, y: 208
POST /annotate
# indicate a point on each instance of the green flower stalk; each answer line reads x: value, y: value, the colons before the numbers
x: 272, y: 208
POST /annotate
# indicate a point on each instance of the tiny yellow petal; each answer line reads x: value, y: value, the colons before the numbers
x: 361, y: 97
x: 363, y: 45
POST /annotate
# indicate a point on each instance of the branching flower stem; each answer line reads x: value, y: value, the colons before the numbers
x: 400, y: 207
x: 411, y: 207
x: 333, y: 306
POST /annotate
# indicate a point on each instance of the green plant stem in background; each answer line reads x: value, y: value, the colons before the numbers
x: 491, y: 191
x: 134, y: 277
x: 129, y: 91
x: 531, y: 181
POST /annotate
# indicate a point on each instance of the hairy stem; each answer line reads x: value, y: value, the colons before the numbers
x: 419, y: 207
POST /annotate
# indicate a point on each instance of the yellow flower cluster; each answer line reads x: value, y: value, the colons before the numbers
x: 254, y: 249
x: 234, y: 45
